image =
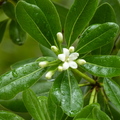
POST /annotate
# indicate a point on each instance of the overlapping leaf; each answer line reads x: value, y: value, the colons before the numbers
x: 19, y: 79
x: 96, y: 36
x: 17, y: 35
x: 104, y: 66
x: 112, y: 90
x: 5, y: 115
x: 42, y: 23
x: 66, y: 93
x: 78, y: 17
x: 2, y: 28
x: 86, y: 112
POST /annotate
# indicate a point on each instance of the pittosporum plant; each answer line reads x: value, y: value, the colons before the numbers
x: 75, y: 77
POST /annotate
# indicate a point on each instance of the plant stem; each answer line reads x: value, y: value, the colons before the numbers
x: 84, y: 76
x: 85, y: 84
x: 92, y: 97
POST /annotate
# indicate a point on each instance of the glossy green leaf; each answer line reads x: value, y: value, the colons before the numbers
x: 112, y: 90
x: 105, y: 13
x: 62, y: 11
x: 104, y: 66
x: 5, y: 115
x: 19, y: 79
x: 44, y: 106
x: 96, y: 36
x: 78, y: 17
x: 100, y: 115
x: 86, y: 112
x: 85, y: 119
x: 9, y: 9
x: 66, y: 92
x: 116, y: 6
x: 55, y: 111
x: 33, y: 105
x: 34, y: 22
x: 17, y: 35
x: 2, y: 28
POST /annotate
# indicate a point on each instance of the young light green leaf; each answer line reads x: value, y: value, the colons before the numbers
x: 86, y: 112
x: 34, y: 22
x: 17, y: 35
x: 33, y: 105
x: 78, y: 17
x: 66, y: 93
x: 19, y: 79
x: 2, y: 28
x: 99, y: 115
x: 112, y: 90
x: 96, y: 36
x: 103, y: 66
x: 5, y: 115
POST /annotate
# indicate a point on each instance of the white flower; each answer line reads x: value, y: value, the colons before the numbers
x: 49, y: 74
x: 60, y: 37
x: 68, y: 58
x: 43, y: 64
x: 81, y: 61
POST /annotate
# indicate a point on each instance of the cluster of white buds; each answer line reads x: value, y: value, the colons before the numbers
x: 69, y: 58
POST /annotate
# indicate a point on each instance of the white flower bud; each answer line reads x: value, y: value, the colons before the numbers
x: 54, y: 49
x: 60, y: 68
x: 72, y: 49
x: 81, y: 61
x: 49, y: 74
x: 43, y: 64
x: 60, y: 37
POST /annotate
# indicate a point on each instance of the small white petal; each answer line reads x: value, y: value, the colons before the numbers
x: 61, y: 57
x: 81, y: 61
x: 73, y: 64
x: 65, y: 65
x: 73, y: 56
x: 66, y: 52
x: 71, y: 49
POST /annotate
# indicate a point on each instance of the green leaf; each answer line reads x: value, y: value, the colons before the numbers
x: 85, y: 119
x: 96, y: 36
x: 44, y: 106
x: 33, y: 105
x: 2, y: 28
x: 112, y: 90
x: 62, y: 11
x: 34, y: 22
x: 86, y: 112
x: 17, y: 35
x: 19, y: 79
x: 46, y: 51
x: 55, y: 111
x: 9, y: 9
x: 103, y: 66
x: 5, y: 115
x: 78, y: 17
x: 105, y: 13
x: 100, y: 115
x: 67, y: 94
x: 116, y: 6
